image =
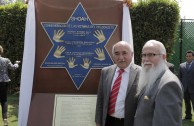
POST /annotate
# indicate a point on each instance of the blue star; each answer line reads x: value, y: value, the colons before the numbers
x: 78, y: 45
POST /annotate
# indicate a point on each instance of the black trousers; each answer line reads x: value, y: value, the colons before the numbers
x: 3, y: 98
x: 189, y: 99
x: 111, y: 121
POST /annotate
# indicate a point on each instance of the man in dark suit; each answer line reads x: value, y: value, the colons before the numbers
x: 186, y: 76
x: 159, y: 90
x: 125, y: 106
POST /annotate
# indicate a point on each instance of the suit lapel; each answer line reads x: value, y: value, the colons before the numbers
x: 155, y: 86
x: 110, y: 74
x: 185, y: 66
x: 191, y: 67
x: 150, y: 93
x: 132, y: 76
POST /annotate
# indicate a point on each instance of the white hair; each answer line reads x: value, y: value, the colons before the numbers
x: 149, y: 76
x: 158, y: 44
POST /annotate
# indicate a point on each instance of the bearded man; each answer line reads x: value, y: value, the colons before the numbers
x: 159, y: 90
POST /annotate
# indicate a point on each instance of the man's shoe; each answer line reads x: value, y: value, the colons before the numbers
x: 5, y: 122
x: 188, y: 118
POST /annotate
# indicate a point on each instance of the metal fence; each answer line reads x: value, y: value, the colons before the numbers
x: 185, y: 41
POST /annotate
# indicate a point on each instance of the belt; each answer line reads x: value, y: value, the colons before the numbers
x: 115, y: 118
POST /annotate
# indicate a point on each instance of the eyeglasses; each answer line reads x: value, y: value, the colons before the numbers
x: 149, y: 55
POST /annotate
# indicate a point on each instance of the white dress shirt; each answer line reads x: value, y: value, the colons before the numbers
x: 120, y: 103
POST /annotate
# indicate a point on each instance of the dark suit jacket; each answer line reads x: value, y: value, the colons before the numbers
x: 187, y: 77
x: 170, y: 66
x: 104, y: 90
x: 162, y: 105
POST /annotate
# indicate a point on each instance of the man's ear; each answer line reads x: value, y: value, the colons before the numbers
x: 132, y: 53
x: 164, y: 56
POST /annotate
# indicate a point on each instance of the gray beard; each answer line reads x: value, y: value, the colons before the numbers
x: 149, y: 76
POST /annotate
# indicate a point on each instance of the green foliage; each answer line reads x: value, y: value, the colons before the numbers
x: 12, y: 29
x: 154, y: 19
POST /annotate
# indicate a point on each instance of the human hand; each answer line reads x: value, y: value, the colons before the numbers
x: 100, y: 54
x: 128, y: 2
x: 17, y: 62
x: 71, y: 63
x: 86, y: 63
x: 59, y: 51
x: 57, y: 35
x: 100, y: 36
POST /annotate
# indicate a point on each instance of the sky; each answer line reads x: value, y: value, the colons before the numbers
x: 186, y: 9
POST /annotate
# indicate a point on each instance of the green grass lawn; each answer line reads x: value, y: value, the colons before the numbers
x: 13, y: 112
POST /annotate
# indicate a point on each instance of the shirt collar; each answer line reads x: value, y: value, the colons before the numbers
x: 190, y: 62
x: 126, y: 69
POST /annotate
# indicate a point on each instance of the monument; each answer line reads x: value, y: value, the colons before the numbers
x: 73, y: 42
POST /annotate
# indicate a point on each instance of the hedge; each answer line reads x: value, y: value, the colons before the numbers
x: 12, y: 30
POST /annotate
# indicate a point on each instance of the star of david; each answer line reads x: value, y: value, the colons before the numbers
x: 78, y: 45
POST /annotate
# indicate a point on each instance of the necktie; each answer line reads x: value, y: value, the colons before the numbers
x: 188, y: 66
x: 114, y: 93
